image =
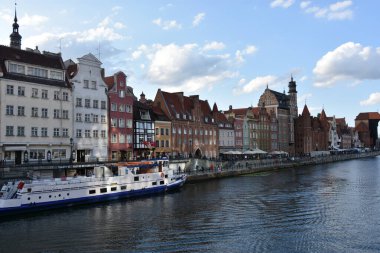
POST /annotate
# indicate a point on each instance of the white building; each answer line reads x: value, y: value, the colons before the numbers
x: 89, y: 108
x: 334, y: 139
x: 35, y: 105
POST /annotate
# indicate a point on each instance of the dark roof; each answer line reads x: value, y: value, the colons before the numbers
x: 137, y: 106
x: 282, y: 98
x: 46, y: 59
x: 368, y: 116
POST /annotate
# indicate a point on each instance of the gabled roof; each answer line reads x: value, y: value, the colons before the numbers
x: 159, y: 114
x: 109, y: 80
x: 368, y: 115
x: 305, y: 111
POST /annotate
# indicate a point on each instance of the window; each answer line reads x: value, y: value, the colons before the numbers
x: 58, y: 153
x: 56, y: 132
x: 113, y: 122
x: 113, y: 107
x: 103, y: 134
x: 9, y: 131
x: 113, y: 138
x: 113, y: 189
x: 44, y: 94
x: 157, y: 131
x: 16, y: 68
x: 10, y: 89
x: 57, y: 75
x: 95, y: 103
x: 157, y: 144
x: 65, y: 132
x: 34, y: 93
x: 167, y: 144
x: 103, y: 105
x: 103, y: 119
x: 79, y: 133
x: 56, y: 95
x: 144, y: 115
x: 20, y: 131
x: 85, y: 84
x: 37, y: 154
x: 34, y: 131
x: 79, y: 102
x: 93, y: 85
x: 95, y: 134
x: 56, y: 113
x: 121, y: 93
x: 87, y: 133
x: 78, y: 117
x: 32, y: 71
x: 91, y: 191
x: 129, y: 123
x: 44, y: 131
x: 121, y: 108
x: 65, y: 96
x: 87, y: 103
x: 65, y: 114
x: 162, y: 131
x: 121, y: 138
x: 21, y: 110
x: 123, y: 187
x: 129, y: 138
x: 21, y: 91
x: 95, y: 118
x: 103, y: 190
x: 87, y: 118
x: 34, y: 112
x: 9, y: 110
x: 121, y: 123
x: 128, y: 108
x: 167, y: 131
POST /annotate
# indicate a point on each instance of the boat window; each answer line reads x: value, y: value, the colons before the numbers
x: 29, y: 189
x: 154, y: 183
x: 162, y: 182
x: 103, y: 190
x: 166, y: 176
x: 28, y: 198
x: 136, y: 179
x: 92, y: 191
x: 123, y: 187
x: 113, y: 189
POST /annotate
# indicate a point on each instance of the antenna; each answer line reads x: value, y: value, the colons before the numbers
x: 60, y: 45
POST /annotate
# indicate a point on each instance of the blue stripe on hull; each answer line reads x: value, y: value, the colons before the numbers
x: 89, y: 199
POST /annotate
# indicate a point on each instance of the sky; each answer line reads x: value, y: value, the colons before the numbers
x: 225, y: 51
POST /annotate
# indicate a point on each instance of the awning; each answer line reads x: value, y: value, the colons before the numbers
x: 14, y: 148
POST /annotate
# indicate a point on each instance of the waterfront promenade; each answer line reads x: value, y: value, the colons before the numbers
x: 215, y: 169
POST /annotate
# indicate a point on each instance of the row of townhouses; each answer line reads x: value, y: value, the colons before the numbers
x: 55, y: 110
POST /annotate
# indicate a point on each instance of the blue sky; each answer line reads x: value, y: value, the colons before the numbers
x: 225, y: 51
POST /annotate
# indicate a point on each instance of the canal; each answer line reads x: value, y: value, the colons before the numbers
x: 325, y: 208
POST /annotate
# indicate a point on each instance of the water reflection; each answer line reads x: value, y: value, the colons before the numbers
x: 326, y: 208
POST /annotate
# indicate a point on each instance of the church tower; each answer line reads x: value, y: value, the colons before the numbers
x: 15, y: 36
x: 293, y: 98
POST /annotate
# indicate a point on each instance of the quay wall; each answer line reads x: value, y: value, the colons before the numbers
x: 200, y: 170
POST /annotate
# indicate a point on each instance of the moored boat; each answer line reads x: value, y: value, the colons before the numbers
x: 120, y: 180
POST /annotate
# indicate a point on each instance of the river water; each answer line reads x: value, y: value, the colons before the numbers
x: 324, y: 208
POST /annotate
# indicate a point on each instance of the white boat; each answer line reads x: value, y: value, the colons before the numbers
x: 121, y: 180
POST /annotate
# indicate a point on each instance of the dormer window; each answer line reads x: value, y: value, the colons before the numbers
x: 17, y: 68
x: 177, y: 115
x: 144, y: 114
x: 57, y: 75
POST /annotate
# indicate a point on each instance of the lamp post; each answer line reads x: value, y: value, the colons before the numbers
x: 71, y: 149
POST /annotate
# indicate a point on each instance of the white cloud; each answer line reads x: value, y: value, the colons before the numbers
x: 198, y: 18
x: 250, y: 49
x: 373, y: 99
x: 167, y: 24
x: 183, y: 67
x: 119, y: 25
x: 305, y: 4
x: 337, y: 11
x: 34, y: 20
x: 348, y: 62
x: 282, y: 3
x: 303, y: 78
x: 255, y: 84
x: 215, y: 45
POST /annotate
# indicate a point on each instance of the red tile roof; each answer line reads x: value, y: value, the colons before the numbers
x: 368, y: 115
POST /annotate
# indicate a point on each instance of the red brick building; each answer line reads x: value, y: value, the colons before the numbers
x: 311, y: 133
x: 194, y: 130
x: 120, y: 99
x: 366, y: 125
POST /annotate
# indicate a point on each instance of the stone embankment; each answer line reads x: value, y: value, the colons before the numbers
x: 199, y: 169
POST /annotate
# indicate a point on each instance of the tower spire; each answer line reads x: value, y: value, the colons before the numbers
x: 15, y: 36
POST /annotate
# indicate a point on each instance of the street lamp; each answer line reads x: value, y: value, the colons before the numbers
x: 71, y: 149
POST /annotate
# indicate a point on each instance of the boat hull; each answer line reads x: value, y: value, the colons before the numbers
x: 33, y: 207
